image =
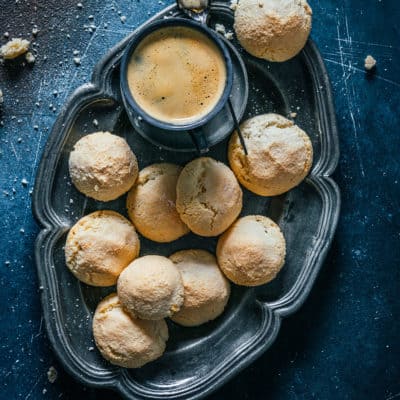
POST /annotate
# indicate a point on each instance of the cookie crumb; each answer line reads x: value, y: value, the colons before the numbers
x: 35, y: 31
x: 77, y: 60
x: 293, y: 114
x: 14, y: 48
x: 6, y: 35
x: 24, y: 182
x: 95, y: 123
x: 79, y: 5
x: 123, y: 19
x: 369, y: 63
x: 52, y: 374
x: 30, y: 58
x: 219, y: 28
x: 234, y: 5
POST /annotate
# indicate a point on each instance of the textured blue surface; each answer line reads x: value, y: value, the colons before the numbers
x: 344, y: 343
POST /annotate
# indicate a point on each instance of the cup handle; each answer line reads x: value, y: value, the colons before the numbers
x: 200, y: 140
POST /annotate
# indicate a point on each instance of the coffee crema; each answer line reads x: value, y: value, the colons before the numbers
x: 177, y: 75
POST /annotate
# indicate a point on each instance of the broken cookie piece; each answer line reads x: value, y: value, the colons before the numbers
x: 222, y: 30
x: 234, y: 4
x: 30, y: 58
x: 369, y: 63
x: 14, y: 48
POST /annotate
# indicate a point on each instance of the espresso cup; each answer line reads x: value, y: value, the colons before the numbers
x: 175, y: 95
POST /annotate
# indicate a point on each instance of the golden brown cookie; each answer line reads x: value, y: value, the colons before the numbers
x: 252, y: 251
x: 126, y: 341
x: 102, y: 166
x: 151, y: 203
x: 276, y: 30
x: 279, y: 155
x: 14, y: 48
x: 208, y: 196
x: 151, y: 288
x: 99, y: 246
x: 206, y: 289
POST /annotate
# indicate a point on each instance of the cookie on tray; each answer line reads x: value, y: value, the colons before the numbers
x: 151, y: 203
x: 208, y: 196
x: 206, y: 288
x: 275, y: 30
x: 151, y: 288
x: 126, y: 341
x: 252, y: 251
x: 279, y: 156
x: 102, y: 166
x: 99, y: 246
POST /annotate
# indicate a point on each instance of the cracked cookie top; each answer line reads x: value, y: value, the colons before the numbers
x: 208, y: 196
x: 279, y: 156
x: 124, y: 340
x: 206, y: 288
x: 102, y: 166
x: 99, y: 246
x: 151, y: 203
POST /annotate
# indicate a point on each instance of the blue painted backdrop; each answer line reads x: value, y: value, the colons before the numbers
x: 344, y: 343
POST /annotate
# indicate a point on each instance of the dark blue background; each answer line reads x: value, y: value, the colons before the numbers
x: 344, y: 343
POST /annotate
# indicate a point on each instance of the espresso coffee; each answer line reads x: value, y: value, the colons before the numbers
x: 177, y: 75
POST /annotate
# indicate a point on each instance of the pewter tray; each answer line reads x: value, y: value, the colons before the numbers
x: 197, y: 360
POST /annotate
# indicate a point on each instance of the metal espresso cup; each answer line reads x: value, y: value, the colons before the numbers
x: 155, y: 130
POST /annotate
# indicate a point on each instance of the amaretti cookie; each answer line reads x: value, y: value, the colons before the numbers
x: 206, y: 289
x: 126, y: 341
x: 151, y: 203
x: 273, y: 29
x: 279, y: 155
x: 99, y: 246
x: 102, y: 166
x: 151, y: 288
x: 208, y: 196
x: 252, y: 251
